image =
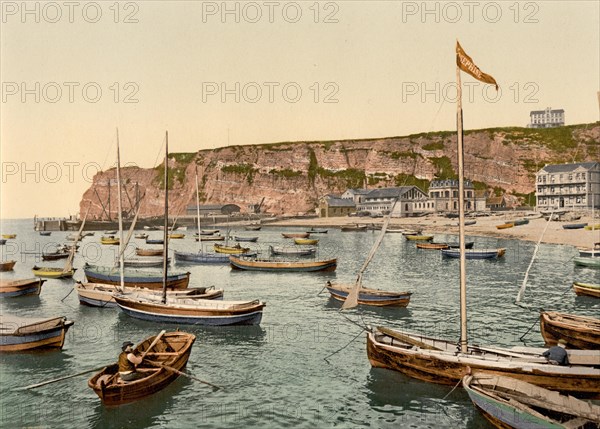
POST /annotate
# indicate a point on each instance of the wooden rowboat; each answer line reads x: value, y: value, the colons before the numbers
x: 155, y: 241
x: 201, y: 257
x: 141, y: 235
x: 10, y: 288
x: 110, y: 240
x: 587, y: 289
x: 292, y: 250
x: 248, y: 239
x: 52, y: 272
x: 214, y: 237
x: 510, y: 403
x: 7, y: 265
x: 54, y: 256
x: 418, y: 237
x: 45, y: 233
x: 252, y: 227
x: 580, y: 332
x: 366, y: 296
x: 295, y: 234
x: 20, y: 333
x: 475, y: 253
x: 432, y: 246
x: 149, y: 252
x: 231, y: 250
x: 317, y: 231
x: 505, y: 225
x: 145, y: 262
x: 574, y: 225
x: 136, y: 278
x: 176, y: 236
x: 350, y: 228
x: 9, y: 236
x: 275, y: 265
x: 587, y: 262
x: 306, y: 241
x: 172, y: 350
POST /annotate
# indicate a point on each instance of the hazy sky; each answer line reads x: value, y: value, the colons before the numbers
x: 219, y: 73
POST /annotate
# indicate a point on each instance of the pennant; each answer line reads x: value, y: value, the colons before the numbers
x: 466, y: 64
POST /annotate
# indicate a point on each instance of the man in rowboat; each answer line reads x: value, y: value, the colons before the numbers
x: 557, y: 355
x: 127, y: 363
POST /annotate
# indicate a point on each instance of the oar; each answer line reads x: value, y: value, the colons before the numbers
x: 176, y: 371
x: 34, y: 386
x: 158, y: 337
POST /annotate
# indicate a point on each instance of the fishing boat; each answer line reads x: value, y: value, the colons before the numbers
x: 214, y: 237
x: 7, y: 265
x: 295, y: 234
x: 415, y: 237
x: 102, y: 295
x: 366, y: 296
x: 22, y: 287
x: 306, y: 241
x: 276, y: 265
x: 231, y: 250
x: 317, y: 231
x: 351, y: 228
x: 145, y: 262
x: 587, y: 262
x: 292, y: 250
x: 201, y: 257
x: 248, y: 239
x: 207, y: 232
x: 136, y: 278
x: 475, y: 253
x: 252, y: 227
x: 580, y: 332
x: 574, y: 225
x: 54, y: 256
x: 23, y: 333
x: 592, y: 227
x: 9, y: 236
x: 52, y: 272
x: 141, y: 235
x: 155, y: 241
x: 511, y: 403
x: 109, y: 240
x: 587, y: 289
x: 432, y: 246
x: 45, y: 233
x: 149, y: 252
x: 176, y: 236
x: 168, y: 352
x: 505, y: 225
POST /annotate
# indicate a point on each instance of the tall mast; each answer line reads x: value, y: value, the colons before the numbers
x: 166, y: 223
x: 121, y: 253
x: 198, y: 204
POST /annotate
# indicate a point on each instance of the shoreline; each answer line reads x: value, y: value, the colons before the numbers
x: 485, y: 227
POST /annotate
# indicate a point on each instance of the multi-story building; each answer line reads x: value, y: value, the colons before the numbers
x: 410, y: 201
x: 570, y: 186
x: 334, y: 206
x: 356, y: 195
x: 547, y: 118
x: 444, y: 195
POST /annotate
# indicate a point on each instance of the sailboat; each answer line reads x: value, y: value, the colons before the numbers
x: 186, y: 311
x: 352, y: 295
x: 442, y: 361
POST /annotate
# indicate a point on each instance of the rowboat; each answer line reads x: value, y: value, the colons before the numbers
x: 136, y: 278
x: 292, y: 250
x: 252, y: 227
x: 54, y: 256
x: 511, y: 403
x: 102, y: 295
x: 592, y: 227
x: 2, y: 242
x: 475, y: 253
x: 505, y: 225
x: 366, y: 296
x: 274, y: 265
x: 149, y: 252
x: 11, y: 288
x: 150, y: 228
x: 45, y: 233
x: 248, y: 239
x: 141, y: 235
x: 317, y: 231
x: 580, y: 332
x: 295, y: 234
x: 207, y: 232
x: 170, y: 355
x: 394, y: 230
x: 587, y: 262
x: 520, y: 222
x: 351, y: 228
x: 432, y: 246
x: 306, y: 241
x: 231, y: 250
x: 145, y: 262
x: 52, y: 272
x: 587, y: 289
x: 214, y: 237
x: 176, y: 236
x: 574, y: 225
x: 21, y: 333
x: 9, y: 236
x: 419, y: 237
x: 473, y: 222
x: 155, y: 241
x: 468, y: 245
x: 7, y: 265
x: 201, y: 257
x: 587, y: 252
x: 189, y: 311
x: 110, y: 232
x: 111, y: 239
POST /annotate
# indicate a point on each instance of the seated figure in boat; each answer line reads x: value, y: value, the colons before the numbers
x: 127, y: 363
x: 557, y: 355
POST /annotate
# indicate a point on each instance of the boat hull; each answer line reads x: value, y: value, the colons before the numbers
x: 7, y: 266
x: 282, y: 266
x: 26, y: 287
x: 174, y: 281
x: 201, y: 258
x: 579, y: 332
x: 474, y: 254
x: 587, y: 262
x: 47, y: 337
x: 372, y: 297
x: 583, y: 289
x: 52, y: 273
x: 229, y: 250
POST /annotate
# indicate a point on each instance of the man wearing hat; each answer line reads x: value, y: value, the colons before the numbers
x: 127, y: 362
x: 557, y: 355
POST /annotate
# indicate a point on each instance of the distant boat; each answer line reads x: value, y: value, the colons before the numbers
x: 52, y: 273
x: 470, y: 222
x: 231, y: 250
x: 468, y: 245
x: 317, y: 231
x: 170, y: 353
x: 45, y: 233
x: 587, y: 252
x: 432, y: 246
x: 110, y: 232
x: 155, y: 241
x: 580, y: 332
x: 520, y: 222
x: 110, y: 240
x: 419, y: 237
x: 248, y: 239
x: 214, y: 237
x: 151, y: 228
x: 373, y: 297
x: 508, y: 402
x: 141, y: 235
x: 587, y: 289
x: 149, y: 252
x: 475, y: 253
x: 207, y: 232
x: 9, y: 236
x: 295, y: 234
x: 306, y: 241
x: 145, y: 262
x: 275, y: 265
x: 505, y: 225
x: 54, y: 256
x: 253, y: 227
x: 7, y: 265
x: 12, y: 288
x: 201, y: 257
x: 592, y: 227
x: 395, y: 230
x: 292, y: 250
x: 24, y: 334
x: 351, y: 228
x: 587, y: 262
x: 136, y: 278
x: 175, y: 236
x: 2, y: 242
x: 574, y: 225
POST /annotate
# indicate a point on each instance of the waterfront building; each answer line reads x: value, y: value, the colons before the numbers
x: 444, y: 195
x: 334, y: 206
x: 568, y: 186
x: 411, y: 201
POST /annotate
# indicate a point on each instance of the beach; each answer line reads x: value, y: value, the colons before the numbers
x: 538, y: 229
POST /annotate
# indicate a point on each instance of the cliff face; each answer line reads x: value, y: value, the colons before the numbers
x: 292, y: 176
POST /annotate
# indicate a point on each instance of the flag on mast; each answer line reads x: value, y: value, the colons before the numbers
x: 466, y: 64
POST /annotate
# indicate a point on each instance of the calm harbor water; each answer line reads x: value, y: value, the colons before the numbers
x: 284, y: 373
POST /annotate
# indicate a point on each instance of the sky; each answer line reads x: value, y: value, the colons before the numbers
x: 237, y: 73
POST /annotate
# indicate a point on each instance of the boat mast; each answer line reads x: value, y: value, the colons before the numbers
x: 198, y: 206
x: 121, y: 253
x: 461, y: 218
x: 166, y: 223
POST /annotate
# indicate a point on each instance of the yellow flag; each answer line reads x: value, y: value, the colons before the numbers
x: 466, y: 64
